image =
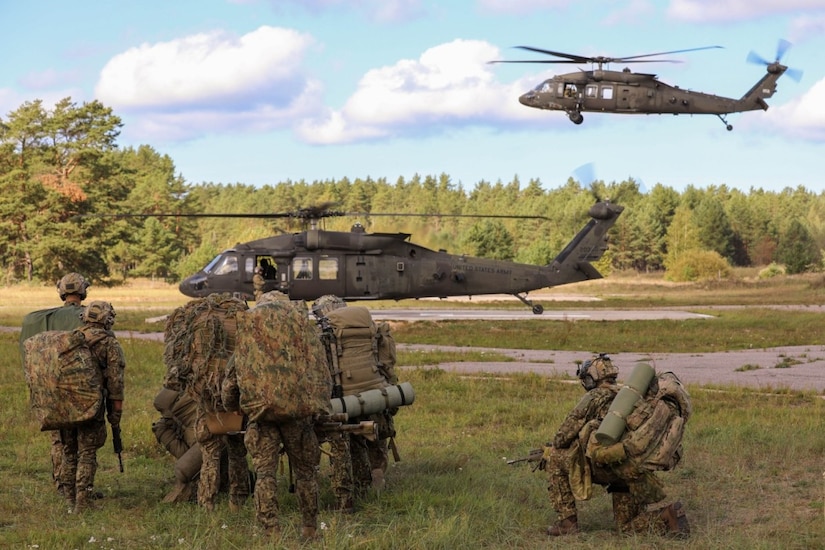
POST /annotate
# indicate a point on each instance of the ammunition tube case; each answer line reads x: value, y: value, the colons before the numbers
x: 614, y: 424
x: 374, y: 401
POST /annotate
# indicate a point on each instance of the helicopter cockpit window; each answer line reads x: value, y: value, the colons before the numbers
x: 302, y: 268
x: 544, y: 88
x: 227, y: 265
x: 607, y: 92
x: 211, y: 265
x: 328, y: 269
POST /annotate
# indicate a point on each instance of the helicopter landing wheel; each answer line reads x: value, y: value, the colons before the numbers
x: 576, y: 117
x: 538, y: 309
x: 728, y: 127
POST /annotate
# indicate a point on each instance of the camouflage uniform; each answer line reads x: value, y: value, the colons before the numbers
x: 258, y: 283
x: 80, y: 443
x: 72, y: 289
x: 212, y: 447
x: 263, y: 441
x: 632, y: 490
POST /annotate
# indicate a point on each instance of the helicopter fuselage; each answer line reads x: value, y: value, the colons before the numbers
x: 357, y: 265
x: 626, y: 92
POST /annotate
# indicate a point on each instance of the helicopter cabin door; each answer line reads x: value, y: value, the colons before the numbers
x: 314, y: 275
x: 600, y: 97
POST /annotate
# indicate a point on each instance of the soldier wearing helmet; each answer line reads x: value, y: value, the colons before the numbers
x: 72, y: 289
x: 80, y: 443
x: 571, y: 470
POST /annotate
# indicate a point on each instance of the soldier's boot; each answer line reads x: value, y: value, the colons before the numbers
x: 84, y: 501
x: 69, y: 494
x: 378, y: 479
x: 308, y: 532
x: 566, y: 526
x: 675, y: 521
x: 181, y: 492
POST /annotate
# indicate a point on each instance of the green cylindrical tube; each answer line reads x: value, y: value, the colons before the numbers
x: 374, y: 401
x: 613, y: 426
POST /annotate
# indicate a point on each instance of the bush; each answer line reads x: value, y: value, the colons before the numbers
x: 772, y: 270
x: 698, y: 265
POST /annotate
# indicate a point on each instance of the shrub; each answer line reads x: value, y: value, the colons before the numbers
x: 698, y: 265
x: 772, y: 270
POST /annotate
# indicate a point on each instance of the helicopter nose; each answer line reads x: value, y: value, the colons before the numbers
x: 193, y: 286
x: 528, y: 99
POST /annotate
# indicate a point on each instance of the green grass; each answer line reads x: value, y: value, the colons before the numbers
x: 751, y: 477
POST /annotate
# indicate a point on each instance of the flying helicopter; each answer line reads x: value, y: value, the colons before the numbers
x: 357, y: 265
x: 601, y: 90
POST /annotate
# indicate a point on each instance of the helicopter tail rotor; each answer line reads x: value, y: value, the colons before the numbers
x: 775, y: 66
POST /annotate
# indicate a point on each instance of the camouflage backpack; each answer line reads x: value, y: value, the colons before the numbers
x: 652, y: 439
x: 65, y: 382
x: 280, y: 364
x: 212, y: 332
x: 355, y: 344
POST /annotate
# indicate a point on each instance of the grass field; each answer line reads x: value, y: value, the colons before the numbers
x: 752, y: 476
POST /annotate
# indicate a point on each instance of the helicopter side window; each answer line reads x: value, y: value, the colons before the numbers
x: 302, y: 267
x: 328, y: 269
x: 570, y: 90
x: 607, y: 92
x: 591, y: 90
x: 227, y: 265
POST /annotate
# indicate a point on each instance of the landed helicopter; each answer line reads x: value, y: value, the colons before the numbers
x: 602, y: 90
x: 357, y: 265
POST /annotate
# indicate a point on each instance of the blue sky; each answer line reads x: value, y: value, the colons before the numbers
x: 260, y: 91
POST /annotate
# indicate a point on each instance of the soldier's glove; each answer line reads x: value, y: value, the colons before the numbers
x: 114, y: 417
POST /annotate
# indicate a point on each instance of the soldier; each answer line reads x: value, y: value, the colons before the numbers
x: 258, y: 283
x: 80, y: 443
x: 569, y: 465
x: 357, y: 462
x: 72, y: 289
x: 264, y: 435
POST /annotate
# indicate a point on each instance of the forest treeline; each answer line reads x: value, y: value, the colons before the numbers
x: 65, y: 186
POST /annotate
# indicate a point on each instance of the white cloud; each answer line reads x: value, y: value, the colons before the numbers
x: 449, y: 84
x: 804, y: 28
x: 803, y: 117
x: 704, y: 11
x: 209, y: 81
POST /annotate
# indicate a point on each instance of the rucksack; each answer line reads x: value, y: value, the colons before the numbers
x: 355, y: 341
x: 64, y: 379
x: 653, y: 429
x: 200, y: 339
x: 653, y: 440
x: 280, y: 364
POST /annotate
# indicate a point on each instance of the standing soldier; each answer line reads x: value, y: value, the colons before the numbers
x: 258, y: 283
x: 80, y: 443
x: 361, y: 356
x: 278, y: 378
x: 72, y: 289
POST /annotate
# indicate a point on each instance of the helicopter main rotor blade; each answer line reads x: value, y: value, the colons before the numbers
x: 628, y: 58
x: 437, y: 215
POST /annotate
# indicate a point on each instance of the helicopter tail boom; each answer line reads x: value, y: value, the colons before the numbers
x: 573, y: 264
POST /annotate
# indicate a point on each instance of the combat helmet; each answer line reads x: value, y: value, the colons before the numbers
x: 99, y: 312
x: 72, y: 283
x: 593, y: 371
x: 327, y: 303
